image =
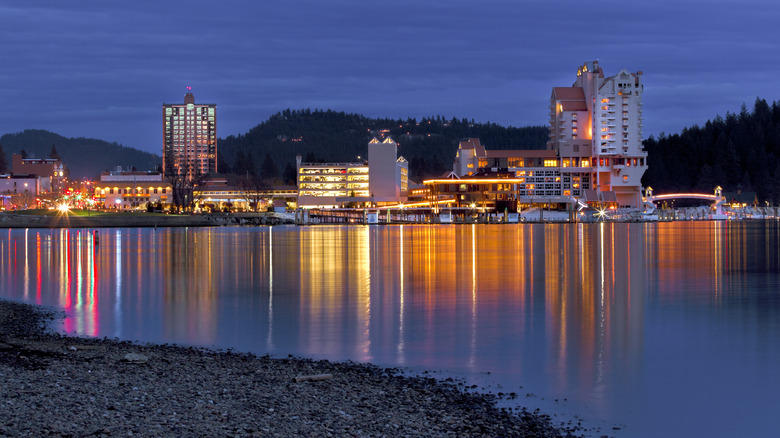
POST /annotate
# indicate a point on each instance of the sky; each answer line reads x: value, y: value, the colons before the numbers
x: 103, y: 69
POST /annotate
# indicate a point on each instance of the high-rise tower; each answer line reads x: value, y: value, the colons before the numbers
x: 597, y: 123
x: 189, y: 138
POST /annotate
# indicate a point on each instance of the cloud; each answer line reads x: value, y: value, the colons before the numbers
x: 100, y: 69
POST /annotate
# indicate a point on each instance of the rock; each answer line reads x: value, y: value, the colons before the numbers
x: 135, y: 358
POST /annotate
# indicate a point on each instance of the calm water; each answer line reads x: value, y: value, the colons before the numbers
x: 668, y: 329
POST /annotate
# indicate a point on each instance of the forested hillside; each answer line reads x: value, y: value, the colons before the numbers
x: 429, y: 144
x: 84, y: 157
x: 738, y: 151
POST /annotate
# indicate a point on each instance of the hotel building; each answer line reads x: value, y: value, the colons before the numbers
x: 189, y: 138
x: 577, y: 166
x: 384, y: 179
x: 596, y: 131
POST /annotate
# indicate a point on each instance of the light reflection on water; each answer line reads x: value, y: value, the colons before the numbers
x: 631, y: 323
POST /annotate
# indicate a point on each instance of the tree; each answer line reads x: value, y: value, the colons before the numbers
x: 244, y: 164
x: 268, y: 170
x: 53, y: 154
x: 222, y: 165
x: 3, y: 162
x: 289, y: 175
x: 252, y: 187
x: 183, y: 185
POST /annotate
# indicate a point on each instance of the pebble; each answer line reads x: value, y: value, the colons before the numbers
x: 187, y: 391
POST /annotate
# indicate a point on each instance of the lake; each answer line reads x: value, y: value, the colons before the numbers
x: 657, y: 329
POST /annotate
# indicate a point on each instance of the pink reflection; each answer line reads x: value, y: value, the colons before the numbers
x: 78, y: 282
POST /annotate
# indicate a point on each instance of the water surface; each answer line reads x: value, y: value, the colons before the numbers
x: 666, y: 329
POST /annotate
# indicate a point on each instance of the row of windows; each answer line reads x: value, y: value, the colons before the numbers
x: 320, y: 193
x: 119, y: 191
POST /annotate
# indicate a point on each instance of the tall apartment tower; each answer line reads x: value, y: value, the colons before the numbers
x: 596, y: 130
x: 189, y: 138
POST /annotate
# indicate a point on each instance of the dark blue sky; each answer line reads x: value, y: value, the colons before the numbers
x: 103, y: 69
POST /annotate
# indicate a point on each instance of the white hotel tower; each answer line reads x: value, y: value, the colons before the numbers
x: 597, y: 123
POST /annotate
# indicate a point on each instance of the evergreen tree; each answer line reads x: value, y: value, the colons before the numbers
x: 268, y: 170
x: 289, y: 176
x: 53, y: 154
x: 222, y: 165
x: 244, y: 164
x: 3, y: 162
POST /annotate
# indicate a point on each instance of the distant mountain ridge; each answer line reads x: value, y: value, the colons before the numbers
x: 84, y: 157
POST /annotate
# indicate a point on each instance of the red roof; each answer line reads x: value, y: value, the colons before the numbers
x: 568, y: 93
x: 570, y: 98
x: 473, y: 143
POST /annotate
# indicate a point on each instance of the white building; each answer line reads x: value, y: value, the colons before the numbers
x: 19, y: 184
x: 388, y: 174
x: 19, y: 191
x: 382, y: 180
x: 597, y: 124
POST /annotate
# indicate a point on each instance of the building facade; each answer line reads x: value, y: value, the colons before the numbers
x: 596, y: 132
x: 388, y: 174
x: 121, y: 190
x: 189, y: 138
x: 383, y: 179
x: 52, y: 171
x: 594, y: 154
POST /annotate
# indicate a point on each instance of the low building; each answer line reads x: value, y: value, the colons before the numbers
x: 20, y: 191
x: 131, y: 190
x: 52, y: 171
x: 382, y: 180
x: 217, y: 195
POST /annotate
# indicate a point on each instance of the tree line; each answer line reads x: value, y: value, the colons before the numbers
x: 737, y: 152
x: 429, y: 144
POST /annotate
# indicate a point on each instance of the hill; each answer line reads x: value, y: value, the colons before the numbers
x: 85, y: 157
x: 429, y: 145
x: 740, y: 151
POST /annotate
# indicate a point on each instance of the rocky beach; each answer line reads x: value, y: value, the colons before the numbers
x: 56, y: 385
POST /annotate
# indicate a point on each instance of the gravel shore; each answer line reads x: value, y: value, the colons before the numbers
x: 66, y: 386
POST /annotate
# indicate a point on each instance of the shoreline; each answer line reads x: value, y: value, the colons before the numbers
x: 143, y: 220
x: 61, y: 385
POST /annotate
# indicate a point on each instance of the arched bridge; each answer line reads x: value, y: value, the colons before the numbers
x: 717, y: 199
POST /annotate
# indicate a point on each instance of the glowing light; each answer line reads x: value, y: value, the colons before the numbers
x: 63, y: 208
